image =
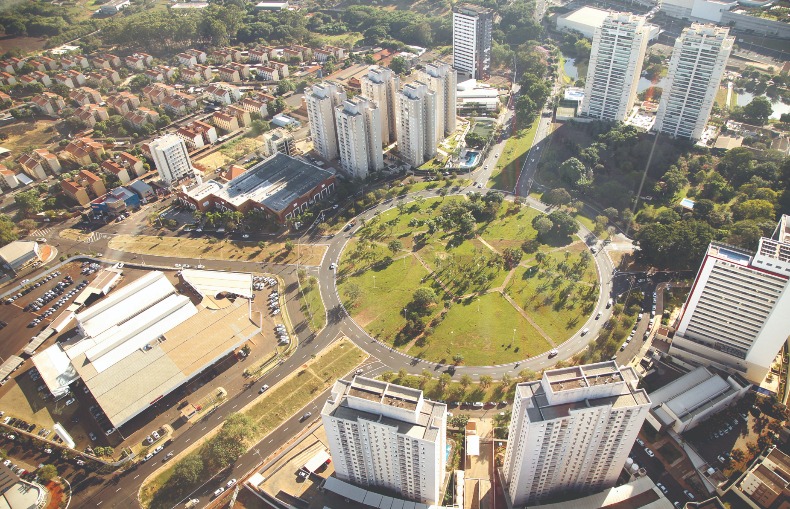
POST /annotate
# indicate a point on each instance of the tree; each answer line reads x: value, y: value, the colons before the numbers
x: 188, y: 471
x: 230, y: 442
x: 458, y: 359
x: 459, y: 421
x: 563, y: 223
x: 394, y: 246
x: 8, y: 231
x: 47, y: 472
x: 542, y: 225
x: 425, y: 377
x: 399, y: 65
x: 573, y: 172
x: 512, y: 257
x: 486, y: 381
x: 674, y: 180
x: 444, y: 381
x: 423, y: 298
x: 753, y: 209
x: 475, y: 140
x: 527, y: 375
x: 558, y: 196
x: 289, y: 245
x: 506, y: 380
x: 29, y: 202
x: 466, y: 381
x: 758, y: 110
x: 258, y: 127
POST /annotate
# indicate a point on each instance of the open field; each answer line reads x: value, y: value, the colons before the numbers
x: 215, y: 249
x: 269, y: 411
x: 72, y: 234
x: 313, y: 306
x: 505, y: 173
x: 213, y: 161
x: 510, y: 230
x: 27, y: 135
x: 24, y: 44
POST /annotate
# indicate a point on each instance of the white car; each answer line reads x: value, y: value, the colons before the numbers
x: 70, y: 401
x: 332, y: 266
x: 219, y: 491
x: 230, y: 483
x: 245, y: 236
x: 649, y: 452
x: 640, y: 442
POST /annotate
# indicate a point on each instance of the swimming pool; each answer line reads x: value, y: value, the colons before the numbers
x: 470, y: 159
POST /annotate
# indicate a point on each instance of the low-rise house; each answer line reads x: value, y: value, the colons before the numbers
x: 259, y: 55
x: 92, y: 182
x: 227, y: 73
x: 226, y: 55
x: 4, y: 98
x: 6, y: 78
x: 7, y: 66
x: 199, y: 73
x: 114, y: 7
x: 158, y: 92
x: 290, y: 54
x: 143, y: 190
x: 242, y: 115
x: 254, y: 105
x: 269, y: 74
x: 282, y: 69
x: 83, y: 150
x: 85, y: 95
x: 123, y: 102
x: 32, y: 166
x: 186, y: 59
x: 116, y: 169
x: 38, y: 65
x: 110, y: 75
x: 73, y: 61
x: 48, y: 103
x: 131, y: 163
x: 224, y: 121
x: 140, y: 117
x: 200, y: 56
x: 75, y: 191
x: 91, y: 113
x: 197, y: 134
x: 36, y: 77
x: 9, y: 177
x: 155, y: 74
x: 223, y: 93
x: 48, y: 160
x: 138, y: 61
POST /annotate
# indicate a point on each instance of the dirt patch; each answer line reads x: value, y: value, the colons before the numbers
x: 26, y: 135
x: 212, y: 161
x: 55, y: 494
x: 214, y: 249
x: 72, y: 234
x: 23, y: 44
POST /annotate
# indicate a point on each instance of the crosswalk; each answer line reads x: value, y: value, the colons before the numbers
x: 97, y: 236
x: 41, y: 232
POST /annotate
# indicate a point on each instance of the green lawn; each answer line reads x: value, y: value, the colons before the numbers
x: 482, y: 332
x: 474, y: 274
x: 313, y: 306
x: 509, y: 230
x: 508, y: 167
x: 483, y: 127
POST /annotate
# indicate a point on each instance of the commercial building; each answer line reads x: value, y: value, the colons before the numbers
x: 141, y: 342
x: 695, y: 71
x: 281, y: 187
x: 278, y: 140
x: 618, y: 50
x: 359, y: 136
x: 471, y: 97
x: 381, y: 85
x: 472, y: 26
x: 114, y: 6
x: 768, y: 481
x: 416, y: 123
x: 387, y: 436
x: 171, y: 158
x: 321, y: 101
x: 586, y: 20
x: 692, y: 398
x: 19, y: 253
x: 572, y: 431
x: 442, y: 81
x: 116, y: 201
x: 735, y: 317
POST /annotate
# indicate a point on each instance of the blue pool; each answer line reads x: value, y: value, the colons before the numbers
x: 470, y: 159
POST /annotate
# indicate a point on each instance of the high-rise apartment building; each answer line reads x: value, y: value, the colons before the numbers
x: 359, y: 136
x: 381, y: 86
x: 472, y: 26
x: 171, y: 158
x: 695, y: 70
x: 416, y: 123
x: 388, y: 436
x: 442, y: 81
x: 322, y: 99
x: 571, y: 432
x: 618, y: 50
x: 737, y: 314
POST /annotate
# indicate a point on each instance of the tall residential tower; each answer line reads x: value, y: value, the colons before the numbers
x: 381, y: 86
x: 321, y: 101
x: 572, y: 431
x: 441, y: 80
x: 387, y: 436
x: 171, y: 158
x: 618, y: 50
x: 416, y: 123
x: 695, y: 72
x: 359, y: 136
x: 472, y: 26
x: 737, y: 315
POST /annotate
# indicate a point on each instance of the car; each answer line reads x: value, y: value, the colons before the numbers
x: 662, y: 487
x: 640, y: 442
x: 263, y: 389
x: 553, y: 353
x: 80, y: 462
x: 155, y: 435
x: 598, y: 315
x: 306, y: 415
x: 85, y: 389
x: 148, y: 456
x: 159, y: 449
x: 478, y: 404
x: 721, y: 458
x: 230, y: 483
x: 332, y: 266
x: 219, y: 491
x: 7, y: 462
x: 302, y: 474
x: 168, y: 456
x: 585, y: 331
x: 245, y: 236
x: 48, y: 450
x: 649, y: 452
x: 70, y: 401
x: 92, y: 436
x: 689, y: 494
x: 109, y: 431
x: 678, y: 505
x: 149, y: 440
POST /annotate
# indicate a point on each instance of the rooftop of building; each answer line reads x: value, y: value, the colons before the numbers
x: 781, y: 459
x: 275, y: 182
x: 730, y: 253
x: 770, y: 479
x: 427, y: 413
x: 782, y: 232
x: 584, y: 376
x: 472, y: 9
x: 639, y: 494
x: 587, y: 16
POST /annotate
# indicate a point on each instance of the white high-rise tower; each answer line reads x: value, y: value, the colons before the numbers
x: 416, y: 123
x: 472, y: 27
x: 695, y: 72
x: 571, y: 432
x: 737, y: 315
x: 359, y: 136
x: 321, y: 101
x: 618, y: 50
x: 387, y: 436
x: 171, y: 158
x: 381, y: 86
x: 441, y: 80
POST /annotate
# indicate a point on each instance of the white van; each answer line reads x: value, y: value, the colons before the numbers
x: 585, y: 331
x: 192, y: 503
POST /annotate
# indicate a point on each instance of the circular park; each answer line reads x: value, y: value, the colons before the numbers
x: 473, y: 280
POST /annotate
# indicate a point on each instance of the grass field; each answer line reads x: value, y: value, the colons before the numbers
x: 212, y: 161
x: 72, y: 234
x: 313, y: 306
x: 481, y: 330
x: 26, y: 135
x: 510, y: 230
x: 505, y: 173
x: 269, y: 411
x: 215, y: 249
x: 483, y: 127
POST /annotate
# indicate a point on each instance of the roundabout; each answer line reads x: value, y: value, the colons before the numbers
x: 489, y: 311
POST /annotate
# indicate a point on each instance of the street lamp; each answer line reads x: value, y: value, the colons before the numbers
x: 514, y: 336
x: 374, y: 282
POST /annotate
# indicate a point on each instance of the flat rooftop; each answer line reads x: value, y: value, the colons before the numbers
x: 589, y: 16
x: 212, y: 282
x: 275, y: 182
x: 729, y: 253
x: 584, y: 376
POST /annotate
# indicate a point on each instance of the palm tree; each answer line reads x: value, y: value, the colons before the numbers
x: 486, y: 381
x: 466, y: 381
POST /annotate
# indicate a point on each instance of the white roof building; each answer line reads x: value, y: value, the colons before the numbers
x: 586, y: 19
x: 471, y: 95
x: 692, y: 398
